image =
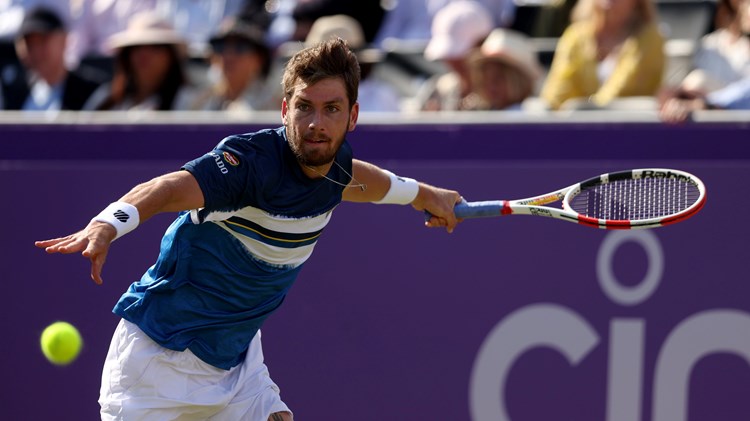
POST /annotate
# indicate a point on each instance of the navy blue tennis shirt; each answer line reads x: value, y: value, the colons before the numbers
x: 223, y: 269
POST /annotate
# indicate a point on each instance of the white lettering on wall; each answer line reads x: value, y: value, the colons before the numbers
x: 621, y: 294
x: 536, y: 325
x: 562, y: 329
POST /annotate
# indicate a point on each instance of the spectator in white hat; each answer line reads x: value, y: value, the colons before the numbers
x: 457, y: 30
x: 150, y: 74
x: 505, y: 71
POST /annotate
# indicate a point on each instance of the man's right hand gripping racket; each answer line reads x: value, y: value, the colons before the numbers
x: 642, y: 198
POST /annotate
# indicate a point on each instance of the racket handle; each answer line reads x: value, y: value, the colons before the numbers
x: 479, y: 209
x: 484, y: 209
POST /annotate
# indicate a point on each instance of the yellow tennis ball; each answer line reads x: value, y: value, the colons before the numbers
x: 61, y: 343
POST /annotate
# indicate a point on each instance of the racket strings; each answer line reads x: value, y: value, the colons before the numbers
x: 636, y: 199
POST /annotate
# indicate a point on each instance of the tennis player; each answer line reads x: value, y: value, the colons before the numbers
x: 189, y: 342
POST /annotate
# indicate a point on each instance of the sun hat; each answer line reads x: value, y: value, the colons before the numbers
x: 146, y: 28
x: 456, y: 28
x: 513, y: 48
x: 40, y: 21
x: 342, y: 26
x: 346, y: 28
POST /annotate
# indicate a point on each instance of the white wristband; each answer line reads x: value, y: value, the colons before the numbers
x: 402, y: 191
x: 123, y: 216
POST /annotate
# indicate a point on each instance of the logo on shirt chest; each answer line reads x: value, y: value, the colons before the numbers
x: 231, y: 159
x: 228, y: 157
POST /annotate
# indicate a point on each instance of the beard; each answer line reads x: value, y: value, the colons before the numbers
x: 313, y: 156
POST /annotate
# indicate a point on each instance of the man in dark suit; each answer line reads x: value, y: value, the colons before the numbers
x: 48, y: 84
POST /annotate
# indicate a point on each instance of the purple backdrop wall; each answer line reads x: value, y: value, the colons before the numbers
x: 518, y: 318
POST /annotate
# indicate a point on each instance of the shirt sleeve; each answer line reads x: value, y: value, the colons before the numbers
x: 733, y: 97
x: 225, y: 174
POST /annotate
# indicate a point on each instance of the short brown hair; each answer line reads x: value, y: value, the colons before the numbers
x: 328, y: 59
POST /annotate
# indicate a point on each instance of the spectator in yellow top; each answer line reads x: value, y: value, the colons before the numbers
x: 612, y: 49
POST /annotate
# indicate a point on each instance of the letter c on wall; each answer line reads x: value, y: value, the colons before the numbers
x: 532, y: 326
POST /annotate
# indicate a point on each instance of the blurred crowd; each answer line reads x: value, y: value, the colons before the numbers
x: 415, y: 55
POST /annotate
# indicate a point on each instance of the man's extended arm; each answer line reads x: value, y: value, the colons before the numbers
x: 171, y: 192
x: 439, y: 202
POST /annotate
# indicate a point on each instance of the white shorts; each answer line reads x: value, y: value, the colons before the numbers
x: 143, y: 381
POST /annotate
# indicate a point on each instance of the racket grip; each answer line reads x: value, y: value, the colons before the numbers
x: 484, y: 209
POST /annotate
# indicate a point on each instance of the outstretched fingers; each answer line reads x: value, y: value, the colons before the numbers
x: 66, y: 245
x: 93, y: 243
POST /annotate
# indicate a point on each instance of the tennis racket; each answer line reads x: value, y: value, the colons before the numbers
x: 642, y: 198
